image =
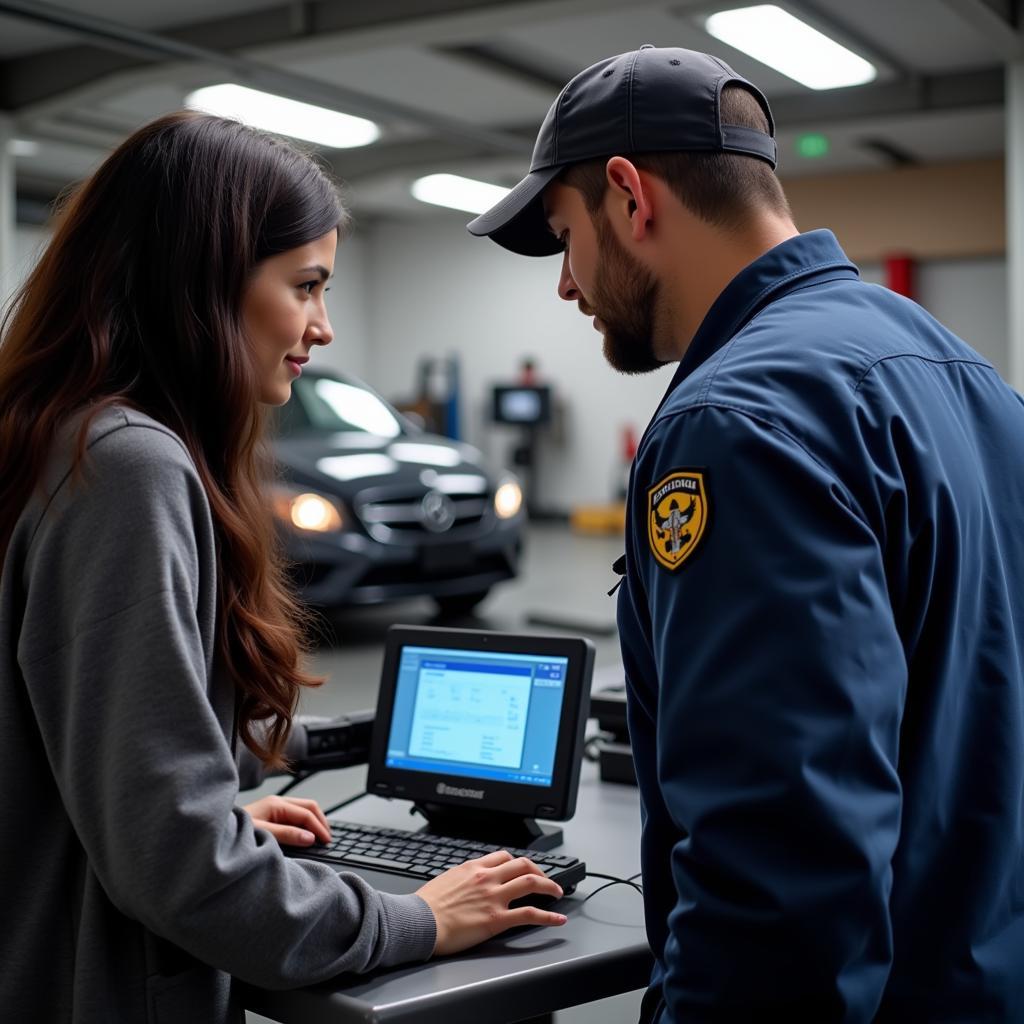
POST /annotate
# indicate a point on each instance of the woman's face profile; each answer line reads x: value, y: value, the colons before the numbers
x: 284, y: 315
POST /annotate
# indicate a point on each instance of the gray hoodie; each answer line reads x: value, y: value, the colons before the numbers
x: 133, y: 886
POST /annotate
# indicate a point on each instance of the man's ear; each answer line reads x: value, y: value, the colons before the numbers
x: 628, y: 197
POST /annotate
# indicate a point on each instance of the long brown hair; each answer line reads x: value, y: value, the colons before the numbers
x: 137, y: 300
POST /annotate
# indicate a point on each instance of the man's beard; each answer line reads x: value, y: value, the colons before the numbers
x: 625, y: 298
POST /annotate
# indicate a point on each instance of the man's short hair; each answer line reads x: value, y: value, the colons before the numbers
x: 721, y: 188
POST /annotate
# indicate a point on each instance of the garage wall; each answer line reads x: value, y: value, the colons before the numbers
x: 28, y: 243
x: 932, y: 211
x: 434, y: 290
x: 347, y: 306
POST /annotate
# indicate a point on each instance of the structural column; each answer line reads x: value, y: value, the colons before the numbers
x: 1015, y: 219
x: 7, y: 209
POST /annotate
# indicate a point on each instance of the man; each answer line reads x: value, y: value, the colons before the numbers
x: 822, y: 620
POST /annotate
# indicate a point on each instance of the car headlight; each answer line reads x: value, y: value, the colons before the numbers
x: 508, y: 499
x: 307, y: 511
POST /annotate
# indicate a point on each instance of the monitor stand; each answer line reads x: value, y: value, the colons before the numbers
x: 494, y: 827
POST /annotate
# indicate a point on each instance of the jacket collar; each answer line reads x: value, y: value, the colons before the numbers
x: 791, y: 264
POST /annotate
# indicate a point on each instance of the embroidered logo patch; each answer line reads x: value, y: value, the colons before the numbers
x: 677, y: 516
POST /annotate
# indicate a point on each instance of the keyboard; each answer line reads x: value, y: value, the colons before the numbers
x: 419, y: 855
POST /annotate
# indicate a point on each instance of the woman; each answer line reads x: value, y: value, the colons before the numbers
x: 145, y: 629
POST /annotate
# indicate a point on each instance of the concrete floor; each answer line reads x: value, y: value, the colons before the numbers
x: 565, y: 577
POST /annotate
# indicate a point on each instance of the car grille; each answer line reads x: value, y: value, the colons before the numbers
x: 404, y: 575
x: 401, y: 519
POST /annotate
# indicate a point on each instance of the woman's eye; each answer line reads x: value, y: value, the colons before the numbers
x: 308, y: 286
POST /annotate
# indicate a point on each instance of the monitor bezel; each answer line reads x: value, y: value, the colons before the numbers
x: 556, y: 802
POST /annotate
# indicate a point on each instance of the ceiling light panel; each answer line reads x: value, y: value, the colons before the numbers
x: 283, y: 116
x: 458, y: 193
x: 23, y: 147
x: 790, y: 46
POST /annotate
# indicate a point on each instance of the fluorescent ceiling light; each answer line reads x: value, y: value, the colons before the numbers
x: 284, y: 117
x: 774, y: 37
x: 23, y: 147
x: 457, y: 192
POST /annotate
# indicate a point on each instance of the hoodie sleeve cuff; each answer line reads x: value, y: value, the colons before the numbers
x: 411, y: 929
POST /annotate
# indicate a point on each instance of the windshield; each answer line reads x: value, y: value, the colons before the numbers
x: 326, y: 405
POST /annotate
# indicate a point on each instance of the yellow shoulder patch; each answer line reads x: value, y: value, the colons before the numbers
x: 677, y: 516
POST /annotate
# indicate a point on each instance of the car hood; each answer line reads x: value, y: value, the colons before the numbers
x: 345, y: 464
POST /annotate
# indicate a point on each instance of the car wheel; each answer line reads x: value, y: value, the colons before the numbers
x: 454, y: 605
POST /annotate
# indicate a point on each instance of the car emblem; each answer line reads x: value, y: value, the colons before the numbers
x: 437, y: 511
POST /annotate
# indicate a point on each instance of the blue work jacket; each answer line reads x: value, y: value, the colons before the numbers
x: 823, y: 633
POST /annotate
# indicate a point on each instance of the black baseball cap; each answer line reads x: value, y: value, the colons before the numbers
x: 651, y: 100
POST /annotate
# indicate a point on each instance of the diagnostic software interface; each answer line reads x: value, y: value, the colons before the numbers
x: 476, y: 713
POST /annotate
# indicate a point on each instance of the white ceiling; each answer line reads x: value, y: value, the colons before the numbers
x: 449, y: 74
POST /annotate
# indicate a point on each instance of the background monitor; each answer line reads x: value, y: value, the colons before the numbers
x: 523, y: 405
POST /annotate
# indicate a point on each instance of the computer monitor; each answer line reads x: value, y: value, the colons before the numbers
x: 521, y: 405
x: 483, y: 731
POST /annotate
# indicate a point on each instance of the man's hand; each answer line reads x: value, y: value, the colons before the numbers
x: 470, y: 902
x: 292, y: 822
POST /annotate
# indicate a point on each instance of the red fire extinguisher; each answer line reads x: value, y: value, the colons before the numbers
x: 900, y: 272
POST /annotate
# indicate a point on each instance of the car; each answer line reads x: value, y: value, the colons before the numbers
x: 372, y: 509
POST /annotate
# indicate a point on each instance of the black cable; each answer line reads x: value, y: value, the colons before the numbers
x: 612, y: 880
x: 345, y: 803
x: 294, y: 781
x: 615, y: 878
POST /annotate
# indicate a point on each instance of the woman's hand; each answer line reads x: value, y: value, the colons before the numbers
x: 470, y: 902
x: 292, y: 822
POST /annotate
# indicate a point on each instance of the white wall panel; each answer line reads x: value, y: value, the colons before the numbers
x: 348, y: 310
x: 28, y: 244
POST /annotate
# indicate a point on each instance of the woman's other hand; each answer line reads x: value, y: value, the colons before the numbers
x: 292, y: 822
x: 470, y: 902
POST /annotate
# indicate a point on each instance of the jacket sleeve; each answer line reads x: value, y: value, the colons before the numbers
x: 112, y: 654
x: 780, y: 685
x: 658, y: 832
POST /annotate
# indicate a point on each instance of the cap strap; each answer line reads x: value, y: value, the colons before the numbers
x: 749, y: 140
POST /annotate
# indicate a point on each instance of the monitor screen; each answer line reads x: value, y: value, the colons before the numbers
x: 521, y: 404
x: 477, y: 714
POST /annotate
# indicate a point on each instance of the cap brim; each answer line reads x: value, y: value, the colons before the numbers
x: 517, y: 223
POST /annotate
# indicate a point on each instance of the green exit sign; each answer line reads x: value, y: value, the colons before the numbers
x: 812, y: 145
